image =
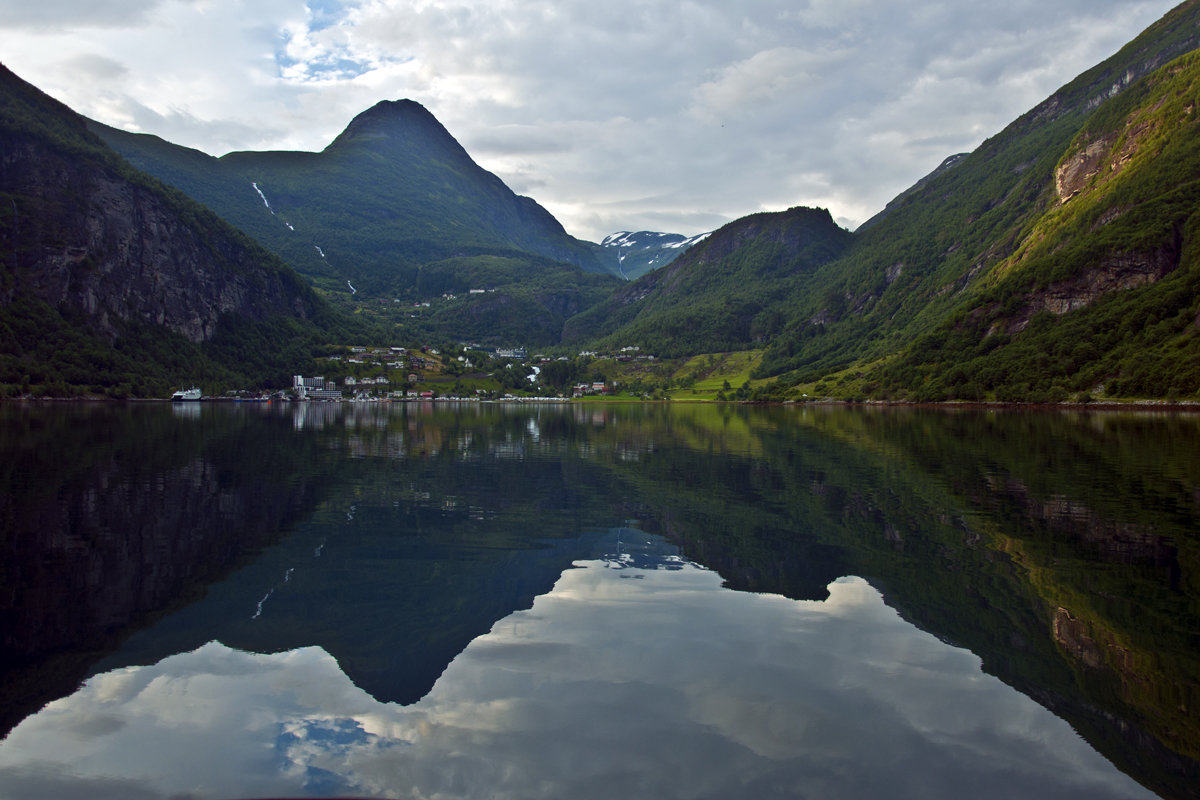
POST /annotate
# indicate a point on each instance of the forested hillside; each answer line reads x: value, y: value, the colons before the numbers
x: 393, y: 215
x: 1099, y: 296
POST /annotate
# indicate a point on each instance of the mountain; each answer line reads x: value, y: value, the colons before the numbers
x: 1056, y: 261
x: 110, y: 283
x: 723, y: 293
x: 644, y: 251
x: 395, y: 217
x: 392, y: 194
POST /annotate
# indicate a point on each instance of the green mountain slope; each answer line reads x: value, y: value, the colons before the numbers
x: 112, y: 284
x: 928, y: 279
x: 392, y: 193
x: 1102, y: 292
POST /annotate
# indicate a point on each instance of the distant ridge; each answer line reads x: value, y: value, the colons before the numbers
x: 718, y: 294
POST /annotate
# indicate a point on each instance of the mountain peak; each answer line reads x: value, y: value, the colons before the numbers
x: 400, y: 122
x: 391, y: 110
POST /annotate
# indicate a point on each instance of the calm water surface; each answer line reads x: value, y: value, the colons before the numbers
x: 237, y: 601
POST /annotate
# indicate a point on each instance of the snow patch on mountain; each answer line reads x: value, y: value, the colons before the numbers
x: 686, y: 243
x: 619, y: 239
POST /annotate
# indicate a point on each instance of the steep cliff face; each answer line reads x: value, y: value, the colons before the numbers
x: 112, y: 284
x: 83, y: 238
x: 1119, y: 219
x: 1077, y: 208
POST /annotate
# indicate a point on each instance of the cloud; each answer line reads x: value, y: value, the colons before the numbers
x: 714, y: 109
x: 769, y: 77
x: 70, y: 14
x: 96, y: 70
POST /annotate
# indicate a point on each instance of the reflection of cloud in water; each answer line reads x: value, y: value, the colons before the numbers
x: 667, y: 686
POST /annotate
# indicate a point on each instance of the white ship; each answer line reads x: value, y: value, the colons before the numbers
x: 186, y: 394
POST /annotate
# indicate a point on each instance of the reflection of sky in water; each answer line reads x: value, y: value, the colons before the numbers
x: 661, y: 686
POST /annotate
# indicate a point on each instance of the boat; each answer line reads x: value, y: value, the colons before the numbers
x: 186, y: 395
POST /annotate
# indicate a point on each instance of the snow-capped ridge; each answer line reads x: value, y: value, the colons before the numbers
x: 644, y: 251
x: 618, y: 239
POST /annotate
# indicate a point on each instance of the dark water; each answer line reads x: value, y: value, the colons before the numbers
x: 223, y: 601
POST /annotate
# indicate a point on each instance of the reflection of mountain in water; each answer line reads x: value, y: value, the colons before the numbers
x: 437, y: 528
x: 392, y: 606
x: 113, y: 514
x: 1055, y: 547
x: 1059, y: 549
x: 619, y: 682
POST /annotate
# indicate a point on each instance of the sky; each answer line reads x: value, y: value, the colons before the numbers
x: 663, y: 115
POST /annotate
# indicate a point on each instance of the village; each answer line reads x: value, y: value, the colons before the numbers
x: 464, y: 372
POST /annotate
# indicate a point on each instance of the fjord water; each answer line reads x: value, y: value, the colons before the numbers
x: 252, y: 600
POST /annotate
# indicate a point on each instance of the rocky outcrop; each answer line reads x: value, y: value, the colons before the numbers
x: 1073, y: 174
x: 1103, y: 158
x: 1119, y: 272
x: 90, y: 240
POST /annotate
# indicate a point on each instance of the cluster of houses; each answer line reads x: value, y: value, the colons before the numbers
x: 625, y: 354
x: 452, y: 296
x: 317, y: 388
x: 390, y: 357
x: 598, y: 387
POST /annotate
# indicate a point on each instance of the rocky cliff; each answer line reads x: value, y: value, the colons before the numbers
x: 81, y: 236
x: 112, y: 284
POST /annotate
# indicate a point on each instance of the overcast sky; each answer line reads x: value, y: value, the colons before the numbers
x: 668, y: 115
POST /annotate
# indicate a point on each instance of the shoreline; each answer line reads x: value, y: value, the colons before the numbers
x: 1181, y: 406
